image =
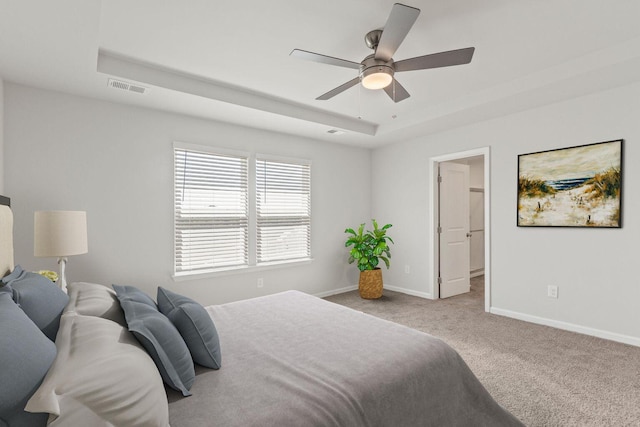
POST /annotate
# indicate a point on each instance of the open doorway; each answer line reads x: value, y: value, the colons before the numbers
x: 477, y: 192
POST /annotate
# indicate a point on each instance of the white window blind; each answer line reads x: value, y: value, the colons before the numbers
x: 211, y: 210
x: 283, y: 205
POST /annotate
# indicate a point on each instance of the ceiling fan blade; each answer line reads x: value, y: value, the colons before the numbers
x: 396, y: 91
x: 395, y: 30
x: 339, y: 89
x: 316, y: 57
x: 436, y: 60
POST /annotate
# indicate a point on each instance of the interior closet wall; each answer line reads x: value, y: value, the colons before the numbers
x: 476, y: 211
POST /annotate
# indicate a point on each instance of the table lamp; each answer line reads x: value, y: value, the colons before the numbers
x: 60, y: 234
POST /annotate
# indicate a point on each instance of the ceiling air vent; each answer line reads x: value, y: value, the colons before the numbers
x: 120, y: 84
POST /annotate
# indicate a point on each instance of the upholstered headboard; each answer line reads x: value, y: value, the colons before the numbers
x: 6, y: 237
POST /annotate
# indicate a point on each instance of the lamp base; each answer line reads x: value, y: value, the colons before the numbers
x: 62, y: 280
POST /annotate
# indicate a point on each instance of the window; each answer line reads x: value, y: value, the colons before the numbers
x: 211, y: 210
x: 283, y: 205
x: 214, y: 227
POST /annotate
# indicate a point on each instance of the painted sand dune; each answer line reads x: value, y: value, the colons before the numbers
x: 575, y: 187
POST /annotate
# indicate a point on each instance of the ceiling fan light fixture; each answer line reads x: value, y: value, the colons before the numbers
x: 377, y: 77
x: 377, y: 70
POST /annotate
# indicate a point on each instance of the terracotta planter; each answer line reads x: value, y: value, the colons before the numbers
x: 370, y: 284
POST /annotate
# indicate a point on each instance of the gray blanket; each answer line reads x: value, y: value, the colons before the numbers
x: 295, y: 360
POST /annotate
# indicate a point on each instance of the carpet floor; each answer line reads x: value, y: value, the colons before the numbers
x: 542, y: 375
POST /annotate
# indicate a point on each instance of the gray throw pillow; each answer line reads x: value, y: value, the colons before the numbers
x: 40, y: 298
x: 159, y: 337
x: 195, y: 325
x: 25, y: 357
x: 134, y: 294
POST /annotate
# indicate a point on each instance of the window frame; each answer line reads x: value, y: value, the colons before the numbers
x: 211, y: 216
x: 252, y: 242
x: 288, y: 161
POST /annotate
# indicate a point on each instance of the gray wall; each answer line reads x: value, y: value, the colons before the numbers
x: 593, y: 268
x: 116, y: 162
x: 66, y: 152
x: 1, y: 136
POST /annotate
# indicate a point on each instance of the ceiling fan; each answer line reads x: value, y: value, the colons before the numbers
x: 377, y: 70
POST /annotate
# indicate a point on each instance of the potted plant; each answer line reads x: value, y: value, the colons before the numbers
x: 368, y: 248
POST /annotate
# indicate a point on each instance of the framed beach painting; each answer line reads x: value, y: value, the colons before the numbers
x: 571, y: 187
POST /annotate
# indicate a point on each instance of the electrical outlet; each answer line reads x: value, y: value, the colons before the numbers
x: 260, y: 282
x: 407, y: 269
x: 552, y: 291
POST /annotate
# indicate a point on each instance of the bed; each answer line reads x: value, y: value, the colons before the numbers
x: 290, y: 359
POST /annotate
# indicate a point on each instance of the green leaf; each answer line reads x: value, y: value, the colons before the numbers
x: 386, y: 261
x: 369, y: 246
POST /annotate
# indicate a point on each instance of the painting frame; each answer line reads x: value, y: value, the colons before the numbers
x: 575, y: 187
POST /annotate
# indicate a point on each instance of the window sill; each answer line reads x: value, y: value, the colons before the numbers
x: 239, y: 270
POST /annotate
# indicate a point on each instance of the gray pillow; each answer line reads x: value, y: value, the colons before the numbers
x: 159, y: 337
x: 39, y: 298
x: 25, y: 357
x: 132, y: 293
x: 194, y: 324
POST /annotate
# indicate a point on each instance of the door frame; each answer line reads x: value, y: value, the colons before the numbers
x: 434, y: 261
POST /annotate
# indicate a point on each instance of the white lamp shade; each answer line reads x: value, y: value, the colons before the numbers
x: 60, y: 233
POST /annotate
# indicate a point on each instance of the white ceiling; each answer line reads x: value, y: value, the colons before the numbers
x: 229, y: 60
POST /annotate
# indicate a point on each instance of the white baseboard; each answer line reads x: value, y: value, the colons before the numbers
x: 625, y: 339
x: 389, y: 287
x: 336, y: 291
x: 425, y: 295
x: 477, y: 273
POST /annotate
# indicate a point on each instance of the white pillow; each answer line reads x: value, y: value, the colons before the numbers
x: 101, y: 377
x: 90, y: 299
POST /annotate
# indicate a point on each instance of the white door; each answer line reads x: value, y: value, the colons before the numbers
x: 454, y: 229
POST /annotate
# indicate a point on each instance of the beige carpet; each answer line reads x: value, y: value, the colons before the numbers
x: 544, y: 376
